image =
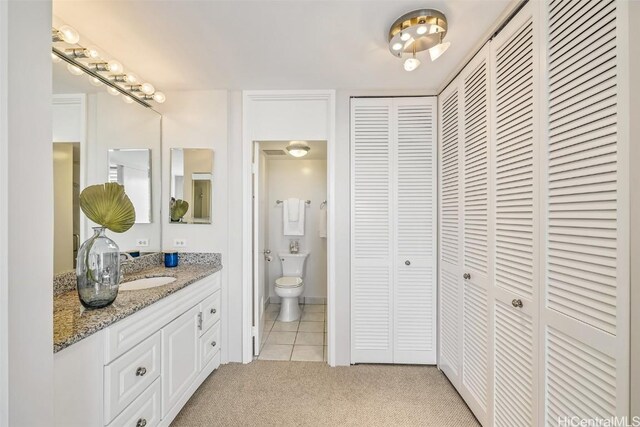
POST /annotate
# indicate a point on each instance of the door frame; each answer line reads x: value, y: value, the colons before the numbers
x: 250, y: 98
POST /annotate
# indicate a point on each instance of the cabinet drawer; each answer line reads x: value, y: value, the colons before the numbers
x: 144, y: 411
x: 210, y: 308
x: 209, y: 344
x: 126, y: 377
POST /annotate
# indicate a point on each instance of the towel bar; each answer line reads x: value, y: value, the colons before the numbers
x: 278, y: 202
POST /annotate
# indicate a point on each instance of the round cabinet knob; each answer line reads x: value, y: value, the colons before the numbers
x: 517, y: 303
x: 141, y: 422
x: 213, y: 311
x: 466, y: 276
x: 213, y: 344
x: 140, y: 372
x: 407, y: 262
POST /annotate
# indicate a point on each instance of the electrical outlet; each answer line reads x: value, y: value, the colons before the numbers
x: 142, y: 242
x: 179, y: 243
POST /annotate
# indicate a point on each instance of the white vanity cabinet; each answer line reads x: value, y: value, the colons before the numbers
x: 141, y: 370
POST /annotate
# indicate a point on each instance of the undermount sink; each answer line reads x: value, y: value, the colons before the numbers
x: 146, y: 283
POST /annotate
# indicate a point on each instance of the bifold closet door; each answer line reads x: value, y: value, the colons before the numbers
x: 515, y: 160
x: 393, y: 222
x: 585, y: 312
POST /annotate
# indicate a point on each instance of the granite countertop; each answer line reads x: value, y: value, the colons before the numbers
x: 72, y: 322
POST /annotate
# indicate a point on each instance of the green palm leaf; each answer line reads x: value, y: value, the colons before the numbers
x: 178, y: 209
x: 109, y: 206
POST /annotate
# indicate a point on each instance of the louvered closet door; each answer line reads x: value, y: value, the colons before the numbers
x: 585, y: 315
x: 514, y: 71
x: 450, y: 262
x: 371, y: 240
x: 476, y: 360
x: 415, y: 222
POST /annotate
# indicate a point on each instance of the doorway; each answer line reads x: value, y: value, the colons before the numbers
x: 290, y: 246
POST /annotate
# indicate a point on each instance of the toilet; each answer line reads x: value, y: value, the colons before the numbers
x: 290, y: 286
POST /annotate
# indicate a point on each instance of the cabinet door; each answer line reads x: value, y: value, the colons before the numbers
x: 450, y: 289
x: 477, y: 236
x: 514, y: 99
x: 180, y: 357
x: 415, y: 198
x: 585, y: 312
x: 371, y: 255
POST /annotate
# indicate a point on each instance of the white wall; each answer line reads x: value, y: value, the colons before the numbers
x: 26, y: 233
x: 198, y: 119
x: 307, y: 180
x: 113, y: 124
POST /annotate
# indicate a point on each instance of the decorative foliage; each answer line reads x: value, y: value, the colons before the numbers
x: 108, y: 205
x: 177, y: 209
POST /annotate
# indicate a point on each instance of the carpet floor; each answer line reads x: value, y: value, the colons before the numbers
x: 268, y: 393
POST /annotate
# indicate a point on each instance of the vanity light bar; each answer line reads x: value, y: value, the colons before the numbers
x: 116, y: 80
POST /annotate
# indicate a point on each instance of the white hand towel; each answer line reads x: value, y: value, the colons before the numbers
x: 322, y: 223
x: 291, y: 207
x: 290, y: 228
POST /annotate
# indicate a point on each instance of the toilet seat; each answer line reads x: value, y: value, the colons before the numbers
x: 288, y: 282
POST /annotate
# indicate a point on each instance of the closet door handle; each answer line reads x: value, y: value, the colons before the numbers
x: 517, y: 303
x: 407, y: 262
x: 141, y: 371
x: 466, y: 276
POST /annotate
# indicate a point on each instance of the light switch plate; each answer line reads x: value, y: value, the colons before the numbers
x: 142, y: 243
x: 179, y: 243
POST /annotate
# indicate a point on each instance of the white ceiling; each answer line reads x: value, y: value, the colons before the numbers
x: 269, y: 44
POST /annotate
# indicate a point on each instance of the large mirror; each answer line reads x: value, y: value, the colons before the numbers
x: 191, y: 186
x: 98, y: 137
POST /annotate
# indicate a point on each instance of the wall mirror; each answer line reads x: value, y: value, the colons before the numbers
x: 191, y: 186
x: 131, y: 167
x: 98, y: 137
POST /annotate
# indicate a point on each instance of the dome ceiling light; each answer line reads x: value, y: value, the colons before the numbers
x: 298, y: 148
x: 417, y: 31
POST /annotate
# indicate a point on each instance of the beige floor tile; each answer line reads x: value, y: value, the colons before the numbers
x: 309, y: 338
x: 271, y: 315
x: 267, y: 325
x: 281, y: 338
x: 273, y: 307
x: 311, y: 327
x: 314, y: 308
x: 307, y: 353
x: 276, y: 352
x: 285, y: 326
x: 312, y: 317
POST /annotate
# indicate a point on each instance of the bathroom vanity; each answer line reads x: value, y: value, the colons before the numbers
x: 138, y: 361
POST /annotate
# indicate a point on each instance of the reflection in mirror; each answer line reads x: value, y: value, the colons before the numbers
x: 191, y: 185
x: 98, y: 137
x: 132, y: 169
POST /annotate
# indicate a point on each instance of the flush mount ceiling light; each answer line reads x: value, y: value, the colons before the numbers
x: 298, y: 148
x: 418, y: 31
x: 80, y: 60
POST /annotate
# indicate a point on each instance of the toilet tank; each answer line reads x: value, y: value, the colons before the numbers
x: 293, y: 264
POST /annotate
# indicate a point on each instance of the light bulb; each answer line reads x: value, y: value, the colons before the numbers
x: 147, y: 89
x: 405, y: 36
x: 132, y: 79
x: 438, y: 50
x: 76, y: 71
x: 93, y: 52
x: 127, y: 99
x: 69, y: 35
x: 55, y: 58
x: 421, y: 29
x: 95, y: 82
x: 115, y: 67
x: 113, y: 91
x: 411, y: 64
x: 396, y: 46
x: 159, y: 97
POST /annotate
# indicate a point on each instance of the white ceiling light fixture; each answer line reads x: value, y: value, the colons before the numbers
x: 100, y: 71
x: 417, y: 31
x: 298, y: 148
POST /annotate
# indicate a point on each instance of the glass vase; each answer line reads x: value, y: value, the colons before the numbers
x: 98, y: 270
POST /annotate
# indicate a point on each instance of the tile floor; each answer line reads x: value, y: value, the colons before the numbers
x: 303, y: 341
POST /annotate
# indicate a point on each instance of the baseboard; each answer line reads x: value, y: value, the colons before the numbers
x: 274, y: 299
